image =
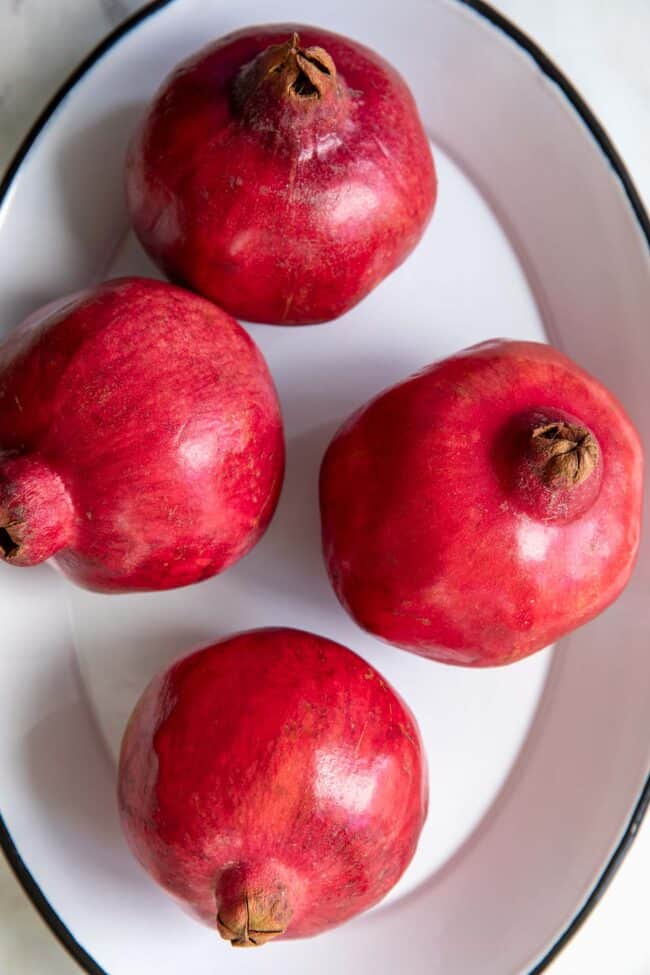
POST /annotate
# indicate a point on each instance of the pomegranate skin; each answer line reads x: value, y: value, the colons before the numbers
x: 274, y: 783
x: 283, y: 208
x: 141, y: 440
x: 485, y: 507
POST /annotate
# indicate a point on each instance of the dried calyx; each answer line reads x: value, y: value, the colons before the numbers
x: 36, y: 511
x: 301, y: 75
x: 569, y: 453
x: 9, y: 545
x: 250, y: 919
x: 303, y: 72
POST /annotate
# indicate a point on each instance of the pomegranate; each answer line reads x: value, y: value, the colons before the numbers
x: 140, y: 438
x: 486, y: 506
x: 274, y: 783
x: 283, y: 172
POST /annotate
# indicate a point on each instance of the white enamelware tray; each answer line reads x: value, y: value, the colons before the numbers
x: 538, y: 771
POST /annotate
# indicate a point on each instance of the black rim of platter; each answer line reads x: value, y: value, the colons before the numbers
x: 33, y: 891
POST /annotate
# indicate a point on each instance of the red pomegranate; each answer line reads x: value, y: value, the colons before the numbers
x: 140, y: 438
x: 481, y: 509
x: 274, y: 783
x: 283, y: 172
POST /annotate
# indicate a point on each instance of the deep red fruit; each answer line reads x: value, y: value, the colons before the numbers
x: 274, y: 783
x: 140, y: 438
x: 485, y: 507
x: 283, y: 172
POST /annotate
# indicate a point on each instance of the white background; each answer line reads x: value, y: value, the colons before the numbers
x: 602, y: 45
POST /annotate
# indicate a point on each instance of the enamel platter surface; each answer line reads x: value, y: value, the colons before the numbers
x: 538, y: 772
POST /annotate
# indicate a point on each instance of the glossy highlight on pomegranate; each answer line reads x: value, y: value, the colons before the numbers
x: 274, y: 783
x: 485, y: 507
x: 141, y: 440
x: 283, y: 172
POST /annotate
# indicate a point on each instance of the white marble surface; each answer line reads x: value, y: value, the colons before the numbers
x: 603, y: 47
